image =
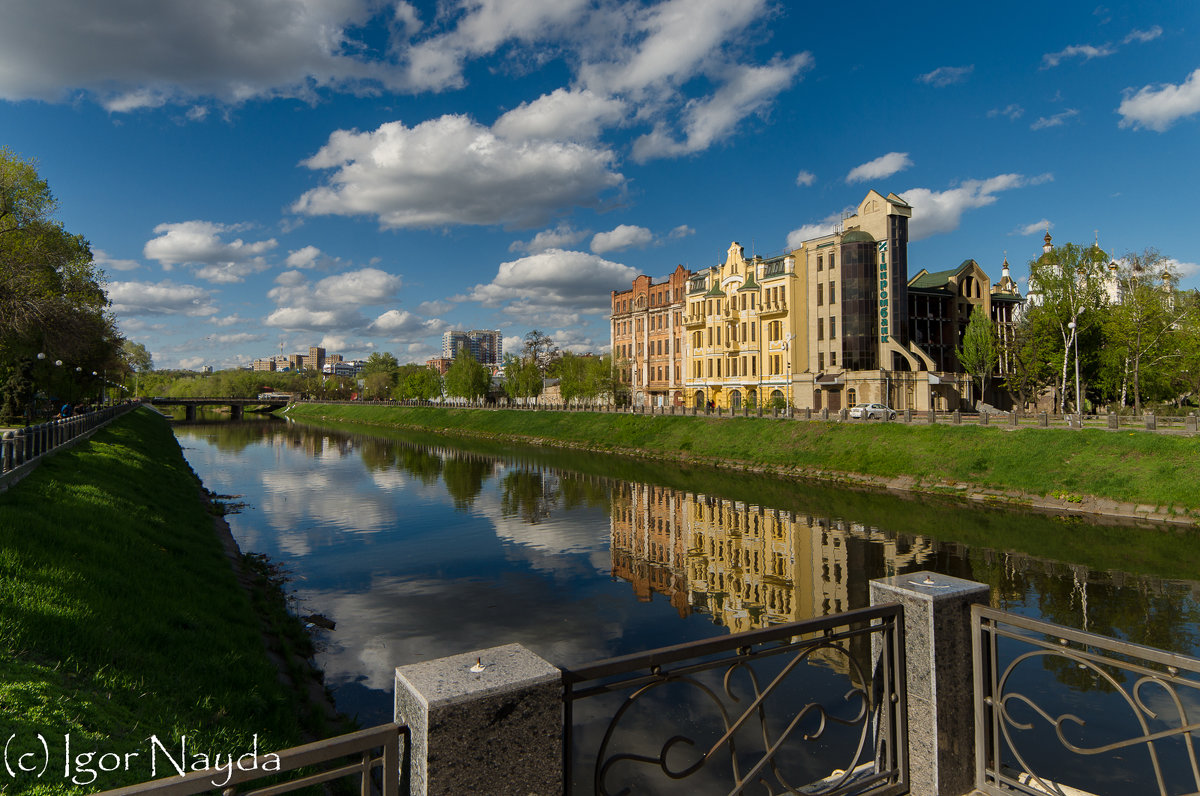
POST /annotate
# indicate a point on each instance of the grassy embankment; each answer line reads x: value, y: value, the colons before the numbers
x: 121, y: 618
x: 1075, y: 466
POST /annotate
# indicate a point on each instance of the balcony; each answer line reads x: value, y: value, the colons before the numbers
x: 770, y: 308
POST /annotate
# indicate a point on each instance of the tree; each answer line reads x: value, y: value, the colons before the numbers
x: 467, y: 378
x: 1064, y: 284
x: 380, y: 362
x: 418, y: 382
x: 1028, y: 353
x: 522, y: 377
x: 979, y: 353
x: 52, y: 299
x: 1142, y: 331
x: 541, y: 349
x: 136, y: 357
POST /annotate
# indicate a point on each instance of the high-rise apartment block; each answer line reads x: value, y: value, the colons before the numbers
x: 485, y: 345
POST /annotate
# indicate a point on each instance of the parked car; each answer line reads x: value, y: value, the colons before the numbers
x: 873, y: 412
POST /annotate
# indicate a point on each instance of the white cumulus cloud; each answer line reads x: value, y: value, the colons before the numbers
x: 200, y: 244
x: 1158, y: 107
x: 160, y: 298
x: 935, y: 212
x: 556, y: 281
x: 452, y: 170
x: 576, y: 115
x: 560, y: 237
x: 148, y: 53
x: 623, y: 236
x: 880, y: 167
x: 805, y: 178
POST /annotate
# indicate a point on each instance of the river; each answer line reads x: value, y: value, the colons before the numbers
x: 419, y: 547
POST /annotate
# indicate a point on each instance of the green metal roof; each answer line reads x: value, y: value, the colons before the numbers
x: 857, y: 236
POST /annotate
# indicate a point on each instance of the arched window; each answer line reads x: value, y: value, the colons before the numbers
x: 735, y: 400
x: 699, y: 404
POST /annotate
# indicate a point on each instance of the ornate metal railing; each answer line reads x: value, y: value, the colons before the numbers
x: 1063, y: 711
x: 372, y: 756
x: 767, y: 711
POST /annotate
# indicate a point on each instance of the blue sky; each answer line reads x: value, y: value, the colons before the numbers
x: 365, y: 175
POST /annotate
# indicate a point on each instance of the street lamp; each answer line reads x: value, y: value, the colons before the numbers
x: 1078, y: 402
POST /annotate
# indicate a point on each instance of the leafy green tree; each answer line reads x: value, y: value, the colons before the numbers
x: 1029, y: 355
x: 380, y: 362
x: 52, y: 299
x: 1144, y: 331
x: 1066, y: 288
x: 979, y: 353
x: 417, y: 382
x: 467, y: 378
x: 574, y: 378
x: 522, y: 377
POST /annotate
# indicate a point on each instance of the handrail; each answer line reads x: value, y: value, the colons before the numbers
x: 385, y: 737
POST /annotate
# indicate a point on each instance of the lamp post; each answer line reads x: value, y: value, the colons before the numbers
x: 787, y: 355
x: 1078, y: 403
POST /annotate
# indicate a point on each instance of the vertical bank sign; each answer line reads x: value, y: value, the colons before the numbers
x: 883, y: 292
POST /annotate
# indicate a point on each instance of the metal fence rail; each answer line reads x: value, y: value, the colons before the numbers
x: 774, y: 713
x: 1059, y: 711
x: 23, y: 445
x: 377, y: 767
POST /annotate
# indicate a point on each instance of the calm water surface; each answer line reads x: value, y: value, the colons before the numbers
x: 419, y: 547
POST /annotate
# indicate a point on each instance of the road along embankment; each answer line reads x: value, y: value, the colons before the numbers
x: 1126, y: 475
x: 127, y: 643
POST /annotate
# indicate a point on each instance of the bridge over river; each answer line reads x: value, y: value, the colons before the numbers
x: 237, y: 406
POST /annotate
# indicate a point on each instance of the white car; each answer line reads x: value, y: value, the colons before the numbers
x: 873, y: 412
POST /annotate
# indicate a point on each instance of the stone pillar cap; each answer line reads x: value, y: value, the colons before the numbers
x: 471, y: 675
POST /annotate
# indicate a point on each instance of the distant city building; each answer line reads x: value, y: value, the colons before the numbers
x: 486, y: 345
x: 440, y: 364
x: 315, y: 359
x: 206, y: 369
x: 339, y: 368
x: 265, y: 364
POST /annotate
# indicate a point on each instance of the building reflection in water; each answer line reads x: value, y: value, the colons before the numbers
x: 748, y: 566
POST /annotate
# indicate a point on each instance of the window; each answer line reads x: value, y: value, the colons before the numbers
x: 733, y: 367
x: 831, y: 293
x: 743, y: 330
x: 753, y: 366
x: 743, y: 301
x: 820, y: 294
x: 820, y: 262
x: 832, y: 359
x: 820, y: 362
x: 718, y: 368
x: 782, y: 293
x: 710, y: 368
x: 751, y: 301
x: 718, y: 335
x: 752, y: 331
x: 820, y: 328
x: 832, y: 260
x: 832, y: 328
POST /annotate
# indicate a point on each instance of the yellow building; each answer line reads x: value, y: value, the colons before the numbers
x: 831, y: 323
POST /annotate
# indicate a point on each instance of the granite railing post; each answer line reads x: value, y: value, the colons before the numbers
x: 939, y: 676
x: 957, y: 417
x: 6, y: 457
x: 908, y: 415
x: 1189, y: 422
x: 1151, y: 421
x: 1015, y: 418
x: 483, y: 722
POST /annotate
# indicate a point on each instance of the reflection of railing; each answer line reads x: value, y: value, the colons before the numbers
x: 752, y: 689
x: 377, y: 767
x: 1139, y: 705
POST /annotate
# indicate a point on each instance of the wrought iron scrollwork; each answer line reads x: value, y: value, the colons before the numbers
x: 742, y: 706
x: 1004, y: 762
